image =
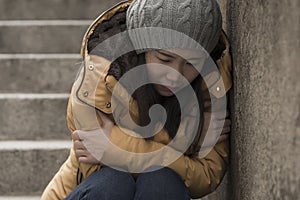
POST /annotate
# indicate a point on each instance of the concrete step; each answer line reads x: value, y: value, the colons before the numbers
x: 20, y: 198
x: 27, y: 166
x: 32, y: 164
x: 42, y: 36
x: 58, y: 9
x: 38, y: 73
x: 33, y: 116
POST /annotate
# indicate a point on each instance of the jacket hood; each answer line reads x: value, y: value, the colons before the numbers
x: 218, y: 85
x: 122, y: 6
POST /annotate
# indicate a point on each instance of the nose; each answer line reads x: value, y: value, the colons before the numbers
x: 173, y: 75
x: 175, y: 72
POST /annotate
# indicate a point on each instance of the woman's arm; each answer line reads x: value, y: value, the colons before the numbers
x: 201, y: 176
x: 64, y: 180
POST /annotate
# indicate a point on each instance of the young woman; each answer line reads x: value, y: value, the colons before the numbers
x: 114, y: 156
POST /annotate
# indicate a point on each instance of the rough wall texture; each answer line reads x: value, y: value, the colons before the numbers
x: 266, y: 98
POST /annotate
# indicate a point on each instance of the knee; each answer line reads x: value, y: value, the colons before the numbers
x: 110, y: 179
x: 164, y: 182
x: 161, y: 176
x: 107, y: 184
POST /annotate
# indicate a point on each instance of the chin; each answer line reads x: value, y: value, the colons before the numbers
x: 166, y: 94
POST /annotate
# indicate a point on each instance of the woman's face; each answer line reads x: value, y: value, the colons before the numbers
x: 177, y: 68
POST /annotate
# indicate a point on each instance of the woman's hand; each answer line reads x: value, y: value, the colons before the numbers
x: 220, y: 131
x: 89, y: 146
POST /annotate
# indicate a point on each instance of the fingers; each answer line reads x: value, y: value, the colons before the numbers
x: 85, y: 157
x: 88, y: 159
x: 79, y: 148
x: 227, y: 113
x: 107, y: 124
x: 222, y: 138
x: 219, y: 124
x: 214, y: 138
x: 218, y: 132
x: 85, y: 149
x: 104, y: 118
x: 227, y: 122
x: 220, y: 115
x: 81, y: 153
x: 79, y: 145
x: 75, y: 135
x: 225, y: 130
x: 207, y: 104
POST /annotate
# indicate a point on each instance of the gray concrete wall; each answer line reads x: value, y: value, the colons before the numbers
x: 266, y: 98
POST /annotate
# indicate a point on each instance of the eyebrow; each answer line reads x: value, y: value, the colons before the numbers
x: 165, y: 54
x: 171, y: 56
x: 196, y: 59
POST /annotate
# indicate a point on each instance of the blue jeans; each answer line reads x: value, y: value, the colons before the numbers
x: 111, y: 184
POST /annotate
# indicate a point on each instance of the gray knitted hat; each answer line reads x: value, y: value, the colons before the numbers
x: 201, y: 20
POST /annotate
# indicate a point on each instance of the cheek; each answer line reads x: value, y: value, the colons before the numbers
x: 191, y: 74
x: 153, y: 73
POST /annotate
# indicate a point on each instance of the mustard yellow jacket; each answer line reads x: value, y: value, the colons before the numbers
x: 92, y: 90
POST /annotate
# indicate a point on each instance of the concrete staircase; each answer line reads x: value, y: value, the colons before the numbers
x: 39, y: 55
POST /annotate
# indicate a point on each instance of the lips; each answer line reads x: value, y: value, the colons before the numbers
x: 170, y: 89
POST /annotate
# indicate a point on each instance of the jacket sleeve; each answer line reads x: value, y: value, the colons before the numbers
x: 201, y: 176
x: 64, y: 180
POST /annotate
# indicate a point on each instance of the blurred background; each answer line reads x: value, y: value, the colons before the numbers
x: 39, y: 58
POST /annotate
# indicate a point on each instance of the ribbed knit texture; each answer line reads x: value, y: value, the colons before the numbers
x: 199, y: 19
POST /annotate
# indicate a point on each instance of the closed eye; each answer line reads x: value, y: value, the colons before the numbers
x: 164, y: 60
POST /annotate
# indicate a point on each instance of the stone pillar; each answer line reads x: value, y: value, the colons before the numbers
x: 265, y: 98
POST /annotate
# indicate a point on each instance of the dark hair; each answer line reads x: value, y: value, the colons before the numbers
x: 146, y: 96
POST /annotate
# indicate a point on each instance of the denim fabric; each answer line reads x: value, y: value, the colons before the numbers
x: 111, y: 184
x: 105, y: 184
x: 163, y: 184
